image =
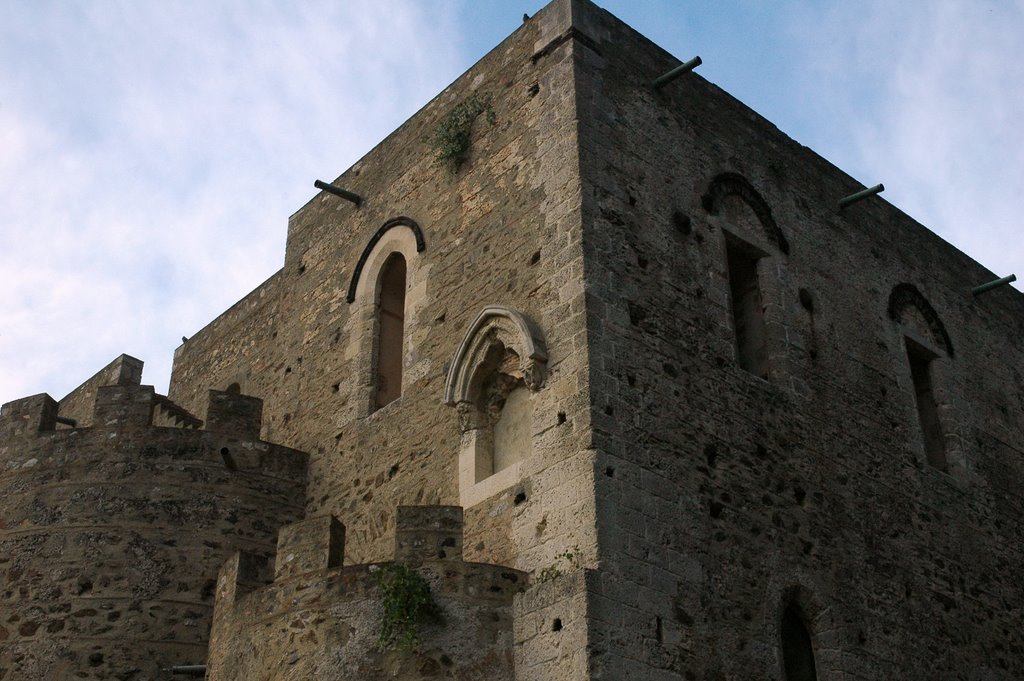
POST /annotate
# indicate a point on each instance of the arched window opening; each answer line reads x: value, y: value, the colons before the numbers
x: 504, y: 434
x: 797, y: 651
x: 928, y: 350
x: 920, y: 359
x: 390, y: 331
x: 747, y: 308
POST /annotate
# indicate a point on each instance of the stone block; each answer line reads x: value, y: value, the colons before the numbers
x: 28, y: 415
x: 308, y: 546
x: 428, y: 533
x: 124, y: 405
x: 240, y: 416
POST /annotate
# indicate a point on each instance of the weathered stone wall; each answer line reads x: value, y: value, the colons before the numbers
x: 322, y: 620
x: 723, y: 496
x: 111, y: 536
x: 505, y: 230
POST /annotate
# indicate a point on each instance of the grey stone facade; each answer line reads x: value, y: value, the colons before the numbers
x: 759, y: 427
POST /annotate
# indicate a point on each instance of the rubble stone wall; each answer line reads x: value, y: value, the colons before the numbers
x: 722, y: 496
x: 111, y: 536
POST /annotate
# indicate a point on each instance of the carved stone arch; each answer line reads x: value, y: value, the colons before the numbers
x: 906, y: 295
x: 495, y: 374
x: 400, y: 221
x: 496, y: 324
x: 733, y: 184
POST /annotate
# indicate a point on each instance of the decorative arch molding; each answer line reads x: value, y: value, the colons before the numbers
x: 400, y: 221
x: 734, y: 184
x: 906, y: 295
x: 496, y: 323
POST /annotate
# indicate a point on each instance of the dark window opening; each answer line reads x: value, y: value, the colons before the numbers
x: 747, y: 310
x: 390, y: 331
x: 920, y: 359
x: 797, y: 651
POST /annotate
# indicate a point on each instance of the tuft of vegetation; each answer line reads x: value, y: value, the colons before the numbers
x: 407, y: 603
x: 571, y: 559
x: 451, y: 138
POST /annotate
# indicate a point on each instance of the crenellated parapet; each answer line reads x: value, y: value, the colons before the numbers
x: 314, y: 617
x: 111, y: 535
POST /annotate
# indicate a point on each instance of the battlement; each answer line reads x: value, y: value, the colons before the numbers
x: 27, y: 416
x: 130, y: 405
x: 314, y: 597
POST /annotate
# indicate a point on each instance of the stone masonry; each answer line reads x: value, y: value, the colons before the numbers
x: 664, y: 412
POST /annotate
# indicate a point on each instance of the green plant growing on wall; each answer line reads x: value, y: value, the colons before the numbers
x: 451, y: 138
x: 554, y: 571
x: 407, y: 603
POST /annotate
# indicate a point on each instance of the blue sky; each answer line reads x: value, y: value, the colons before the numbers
x: 151, y: 152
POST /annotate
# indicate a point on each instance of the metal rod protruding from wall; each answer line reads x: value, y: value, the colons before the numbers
x: 338, y: 191
x: 667, y: 78
x: 978, y: 290
x: 862, y: 194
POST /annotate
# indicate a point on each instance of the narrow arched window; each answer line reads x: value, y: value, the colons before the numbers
x: 797, y: 651
x: 390, y: 331
x: 747, y: 308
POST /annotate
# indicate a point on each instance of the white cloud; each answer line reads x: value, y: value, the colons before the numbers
x: 151, y: 153
x: 927, y: 98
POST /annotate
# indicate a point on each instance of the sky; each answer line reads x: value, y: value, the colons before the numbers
x: 151, y: 152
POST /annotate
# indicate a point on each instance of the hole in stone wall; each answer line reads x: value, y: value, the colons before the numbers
x: 610, y: 472
x: 715, y: 509
x: 806, y: 301
x: 609, y: 410
x: 535, y: 258
x: 336, y: 387
x: 302, y: 269
x: 681, y: 221
x: 632, y: 200
x: 533, y: 89
x: 561, y: 417
x: 519, y: 498
x: 711, y: 454
x: 799, y: 494
x: 636, y: 313
x: 641, y: 260
x: 658, y: 633
x: 392, y: 471
x: 287, y: 370
x: 229, y: 461
x: 557, y: 624
x: 631, y: 380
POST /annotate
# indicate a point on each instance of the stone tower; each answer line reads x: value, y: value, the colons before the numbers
x: 614, y: 374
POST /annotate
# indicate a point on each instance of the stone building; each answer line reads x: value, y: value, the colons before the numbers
x: 614, y: 376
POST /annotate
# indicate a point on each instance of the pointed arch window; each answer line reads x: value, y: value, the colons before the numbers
x: 928, y: 346
x: 390, y: 325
